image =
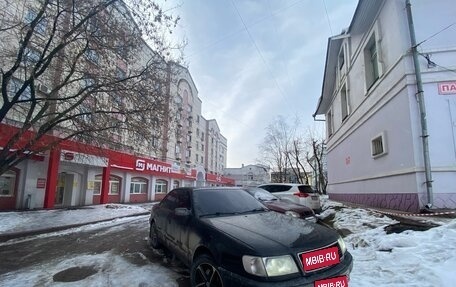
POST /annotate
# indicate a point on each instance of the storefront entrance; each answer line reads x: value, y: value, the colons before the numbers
x: 64, y: 190
x: 8, y: 190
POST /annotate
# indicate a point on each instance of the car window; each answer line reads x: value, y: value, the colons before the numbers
x: 183, y: 199
x: 305, y: 189
x: 212, y: 201
x: 276, y: 188
x: 170, y: 201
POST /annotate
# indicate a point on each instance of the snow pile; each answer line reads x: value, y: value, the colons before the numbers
x: 410, y: 258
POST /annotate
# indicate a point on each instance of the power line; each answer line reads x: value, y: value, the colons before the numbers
x: 259, y: 51
x: 327, y: 17
x: 234, y: 33
x: 435, y: 34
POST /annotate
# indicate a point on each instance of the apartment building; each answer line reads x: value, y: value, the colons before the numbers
x: 140, y: 157
x: 389, y: 101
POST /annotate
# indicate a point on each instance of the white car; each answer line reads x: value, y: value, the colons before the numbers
x: 299, y: 193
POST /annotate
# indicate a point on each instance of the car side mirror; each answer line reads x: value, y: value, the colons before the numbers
x: 182, y: 211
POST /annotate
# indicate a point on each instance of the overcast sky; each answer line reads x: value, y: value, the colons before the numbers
x: 253, y: 60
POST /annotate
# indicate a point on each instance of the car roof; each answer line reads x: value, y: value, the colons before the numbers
x: 289, y: 184
x: 191, y: 188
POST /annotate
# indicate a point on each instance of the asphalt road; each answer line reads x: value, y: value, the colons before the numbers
x: 127, y: 239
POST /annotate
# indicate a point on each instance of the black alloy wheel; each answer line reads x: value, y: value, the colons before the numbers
x: 204, y: 273
x: 153, y: 236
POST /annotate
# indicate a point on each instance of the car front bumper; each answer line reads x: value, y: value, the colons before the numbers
x: 235, y: 280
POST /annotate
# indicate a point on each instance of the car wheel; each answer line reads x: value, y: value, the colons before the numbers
x: 153, y: 236
x: 204, y: 272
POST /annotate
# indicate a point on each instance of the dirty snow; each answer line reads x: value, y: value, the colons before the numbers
x: 411, y: 258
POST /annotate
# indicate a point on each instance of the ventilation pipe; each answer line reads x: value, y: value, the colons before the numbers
x: 422, y: 107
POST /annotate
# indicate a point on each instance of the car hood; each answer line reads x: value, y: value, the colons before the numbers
x: 273, y: 232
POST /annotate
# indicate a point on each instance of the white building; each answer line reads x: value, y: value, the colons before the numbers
x: 376, y: 152
x: 249, y: 175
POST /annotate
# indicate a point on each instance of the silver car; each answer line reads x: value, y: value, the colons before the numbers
x: 299, y: 193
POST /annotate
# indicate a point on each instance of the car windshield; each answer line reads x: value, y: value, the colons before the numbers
x: 224, y: 202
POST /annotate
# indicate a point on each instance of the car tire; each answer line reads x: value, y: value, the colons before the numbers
x: 153, y: 236
x: 204, y: 272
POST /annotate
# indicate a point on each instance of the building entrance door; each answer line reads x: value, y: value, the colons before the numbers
x: 64, y: 190
x: 60, y: 190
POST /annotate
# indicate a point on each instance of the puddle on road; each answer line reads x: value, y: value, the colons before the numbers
x: 401, y: 227
x: 74, y: 274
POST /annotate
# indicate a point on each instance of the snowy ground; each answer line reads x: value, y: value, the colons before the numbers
x: 411, y: 258
x: 12, y: 222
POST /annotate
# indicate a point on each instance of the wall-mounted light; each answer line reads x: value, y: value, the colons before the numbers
x: 430, y: 64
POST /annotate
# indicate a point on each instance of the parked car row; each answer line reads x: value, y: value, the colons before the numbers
x: 299, y: 193
x: 227, y: 237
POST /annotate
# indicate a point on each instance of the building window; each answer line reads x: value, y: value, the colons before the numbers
x: 120, y: 74
x: 32, y: 55
x: 378, y: 146
x: 175, y: 184
x: 114, y: 185
x: 92, y: 56
x: 88, y: 82
x: 40, y: 28
x: 329, y: 123
x: 161, y: 186
x: 341, y: 59
x: 371, y: 62
x: 138, y: 185
x: 345, y: 102
x: 7, y: 184
x: 15, y: 85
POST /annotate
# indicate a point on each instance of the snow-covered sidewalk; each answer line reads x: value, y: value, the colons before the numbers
x: 38, y: 221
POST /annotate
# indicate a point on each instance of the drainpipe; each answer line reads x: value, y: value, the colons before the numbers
x: 422, y: 107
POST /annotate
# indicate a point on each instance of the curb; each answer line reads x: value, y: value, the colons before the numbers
x: 13, y: 235
x: 419, y: 214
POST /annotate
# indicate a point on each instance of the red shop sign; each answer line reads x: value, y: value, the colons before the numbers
x: 40, y: 183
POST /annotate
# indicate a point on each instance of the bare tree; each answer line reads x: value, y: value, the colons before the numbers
x: 282, y: 149
x: 292, y: 155
x: 315, y: 157
x: 297, y: 161
x: 274, y: 148
x: 93, y: 71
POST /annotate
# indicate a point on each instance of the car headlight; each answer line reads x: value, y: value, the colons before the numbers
x: 292, y: 213
x: 342, y: 245
x: 269, y: 266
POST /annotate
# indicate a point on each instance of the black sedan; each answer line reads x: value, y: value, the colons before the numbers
x: 282, y: 205
x: 228, y: 238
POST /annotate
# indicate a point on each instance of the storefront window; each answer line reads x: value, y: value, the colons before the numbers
x: 175, y: 184
x: 161, y: 186
x: 138, y: 185
x: 7, y: 184
x: 114, y: 185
